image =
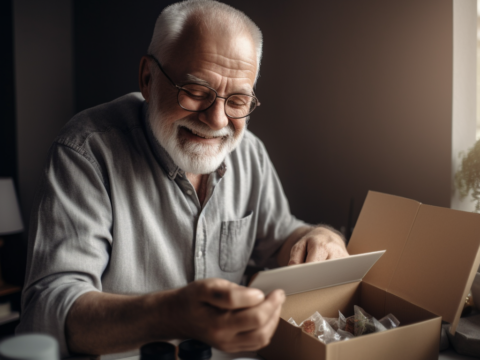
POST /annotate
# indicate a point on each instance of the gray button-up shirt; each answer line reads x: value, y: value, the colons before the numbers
x: 113, y: 213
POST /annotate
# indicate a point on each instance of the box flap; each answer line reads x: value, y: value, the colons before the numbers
x: 306, y: 277
x: 439, y: 261
x: 432, y: 253
x: 384, y: 224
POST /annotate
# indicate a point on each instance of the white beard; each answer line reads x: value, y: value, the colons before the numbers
x: 193, y: 157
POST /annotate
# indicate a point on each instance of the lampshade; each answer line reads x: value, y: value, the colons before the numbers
x: 10, y: 219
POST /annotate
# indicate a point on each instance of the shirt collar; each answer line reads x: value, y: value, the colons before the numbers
x: 162, y: 156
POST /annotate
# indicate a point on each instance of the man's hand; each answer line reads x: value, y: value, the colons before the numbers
x: 223, y: 314
x: 227, y: 316
x: 316, y: 245
x: 308, y: 244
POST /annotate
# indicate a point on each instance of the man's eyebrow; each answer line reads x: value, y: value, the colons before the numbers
x: 189, y: 78
x: 196, y: 80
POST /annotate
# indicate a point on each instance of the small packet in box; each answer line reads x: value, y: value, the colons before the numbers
x: 364, y: 323
x: 317, y: 326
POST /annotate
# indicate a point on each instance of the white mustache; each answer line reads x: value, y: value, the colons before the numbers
x: 203, y: 130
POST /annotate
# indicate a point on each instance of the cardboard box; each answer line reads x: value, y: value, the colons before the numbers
x: 432, y: 255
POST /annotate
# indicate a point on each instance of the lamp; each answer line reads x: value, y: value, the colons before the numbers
x: 10, y: 218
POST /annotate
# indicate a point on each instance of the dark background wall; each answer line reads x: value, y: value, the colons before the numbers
x: 356, y: 95
x: 12, y: 250
x: 110, y: 37
x: 8, y: 153
x: 44, y: 85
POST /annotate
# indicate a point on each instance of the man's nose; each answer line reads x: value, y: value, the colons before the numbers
x: 215, y: 116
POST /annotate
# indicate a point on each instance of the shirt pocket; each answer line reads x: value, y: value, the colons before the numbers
x: 235, y: 243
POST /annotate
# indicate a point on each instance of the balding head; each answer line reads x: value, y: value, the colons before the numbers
x: 207, y: 16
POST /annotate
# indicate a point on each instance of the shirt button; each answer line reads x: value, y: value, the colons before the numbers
x: 200, y: 253
x: 189, y: 192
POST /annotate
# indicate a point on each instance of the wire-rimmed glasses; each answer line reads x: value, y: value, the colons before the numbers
x: 196, y: 98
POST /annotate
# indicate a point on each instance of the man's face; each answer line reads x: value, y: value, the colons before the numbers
x: 199, y: 142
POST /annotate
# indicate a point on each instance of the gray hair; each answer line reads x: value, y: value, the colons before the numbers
x: 171, y: 21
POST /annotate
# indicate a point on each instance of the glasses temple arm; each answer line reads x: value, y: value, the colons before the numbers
x: 161, y: 69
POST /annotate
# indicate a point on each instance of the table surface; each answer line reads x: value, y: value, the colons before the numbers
x: 216, y: 355
x: 449, y: 354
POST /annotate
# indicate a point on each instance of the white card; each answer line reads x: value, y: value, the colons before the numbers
x: 306, y: 277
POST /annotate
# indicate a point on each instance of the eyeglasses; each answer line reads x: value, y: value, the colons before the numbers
x: 196, y: 98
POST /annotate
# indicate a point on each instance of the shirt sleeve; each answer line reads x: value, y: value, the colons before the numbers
x: 69, y: 241
x: 275, y: 222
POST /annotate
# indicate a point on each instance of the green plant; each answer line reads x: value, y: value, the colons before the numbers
x: 467, y: 178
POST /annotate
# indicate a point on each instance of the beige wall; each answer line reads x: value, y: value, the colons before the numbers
x: 44, y: 84
x: 356, y: 96
x: 464, y: 120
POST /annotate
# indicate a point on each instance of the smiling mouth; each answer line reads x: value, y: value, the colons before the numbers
x: 199, y: 134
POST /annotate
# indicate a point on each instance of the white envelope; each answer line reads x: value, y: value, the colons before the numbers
x: 306, y: 277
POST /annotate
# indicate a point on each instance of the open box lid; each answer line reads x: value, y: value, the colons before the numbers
x: 432, y: 253
x: 312, y: 276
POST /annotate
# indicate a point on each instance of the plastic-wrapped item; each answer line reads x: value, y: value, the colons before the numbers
x: 389, y: 321
x: 329, y: 330
x: 341, y: 321
x: 308, y: 326
x: 344, y: 335
x: 333, y: 323
x: 324, y: 331
x: 378, y: 326
x: 363, y: 322
x: 317, y: 326
x: 292, y: 321
x: 350, y: 324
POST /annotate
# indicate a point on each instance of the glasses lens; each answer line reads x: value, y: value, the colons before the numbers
x: 195, y: 97
x: 238, y: 106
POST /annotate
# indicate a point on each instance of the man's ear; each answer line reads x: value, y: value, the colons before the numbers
x: 145, y: 77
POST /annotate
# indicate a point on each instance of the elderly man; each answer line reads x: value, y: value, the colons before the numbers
x: 150, y: 208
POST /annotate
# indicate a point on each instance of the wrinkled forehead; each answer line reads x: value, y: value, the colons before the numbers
x: 215, y: 48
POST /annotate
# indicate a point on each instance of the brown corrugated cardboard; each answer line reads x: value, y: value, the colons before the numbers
x: 385, y: 223
x: 417, y: 338
x: 431, y: 259
x: 432, y: 253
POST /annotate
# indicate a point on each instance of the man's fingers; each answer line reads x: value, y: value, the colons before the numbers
x: 316, y: 252
x: 298, y: 252
x: 257, y: 316
x: 338, y: 252
x: 318, y: 245
x: 227, y: 295
x: 259, y: 336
